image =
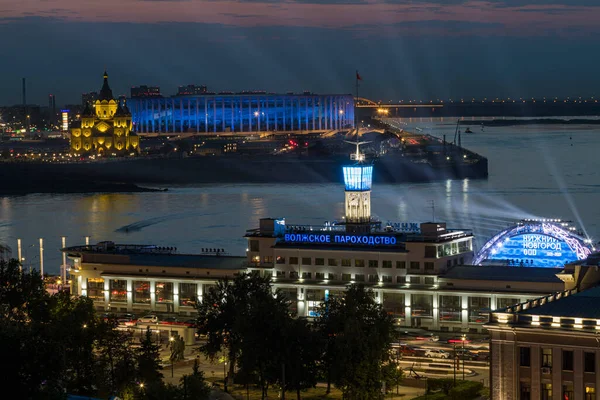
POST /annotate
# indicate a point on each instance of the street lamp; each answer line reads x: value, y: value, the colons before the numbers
x: 256, y: 114
x: 463, y: 339
x: 225, y: 376
x: 172, y: 340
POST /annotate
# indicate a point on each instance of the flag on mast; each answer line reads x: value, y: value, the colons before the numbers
x: 358, y: 77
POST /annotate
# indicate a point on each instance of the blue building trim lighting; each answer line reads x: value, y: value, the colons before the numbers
x: 535, y: 244
x: 358, y: 178
x: 241, y: 113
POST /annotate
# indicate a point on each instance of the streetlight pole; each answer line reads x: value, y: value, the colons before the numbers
x: 454, y: 362
x: 463, y: 355
x: 172, y: 340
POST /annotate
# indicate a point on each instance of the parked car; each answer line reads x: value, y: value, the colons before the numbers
x: 435, y: 353
x: 465, y: 354
x: 482, y: 356
x: 408, y: 350
x: 149, y: 319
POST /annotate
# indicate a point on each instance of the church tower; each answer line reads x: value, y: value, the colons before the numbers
x: 357, y: 180
x: 105, y: 130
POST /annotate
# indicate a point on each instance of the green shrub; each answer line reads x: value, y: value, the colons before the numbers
x: 466, y: 390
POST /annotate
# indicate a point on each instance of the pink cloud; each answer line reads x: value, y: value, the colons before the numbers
x: 370, y: 16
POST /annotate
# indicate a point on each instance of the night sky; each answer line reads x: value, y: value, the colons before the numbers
x: 403, y: 49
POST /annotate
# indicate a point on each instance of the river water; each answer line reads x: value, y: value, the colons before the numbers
x: 543, y: 171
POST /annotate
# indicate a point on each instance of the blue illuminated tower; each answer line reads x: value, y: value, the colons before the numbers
x: 357, y: 180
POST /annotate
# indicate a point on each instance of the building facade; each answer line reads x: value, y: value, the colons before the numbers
x: 213, y: 113
x: 547, y: 348
x: 105, y: 128
x: 145, y: 91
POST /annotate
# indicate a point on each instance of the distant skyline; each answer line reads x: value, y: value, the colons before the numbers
x: 404, y: 49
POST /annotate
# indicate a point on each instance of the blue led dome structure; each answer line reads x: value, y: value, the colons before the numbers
x: 535, y: 243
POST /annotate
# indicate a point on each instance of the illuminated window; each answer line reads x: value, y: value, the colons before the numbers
x: 118, y: 290
x: 95, y: 288
x: 188, y: 294
x: 568, y: 391
x: 141, y: 292
x: 546, y: 358
x: 359, y: 263
x: 546, y: 391
x: 590, y: 393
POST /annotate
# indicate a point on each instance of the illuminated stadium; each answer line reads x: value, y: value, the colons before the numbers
x: 242, y: 113
x: 535, y: 243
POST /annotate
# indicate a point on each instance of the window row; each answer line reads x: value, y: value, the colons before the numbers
x: 358, y: 263
x: 546, y: 391
x: 589, y: 359
x: 427, y: 280
x: 141, y: 290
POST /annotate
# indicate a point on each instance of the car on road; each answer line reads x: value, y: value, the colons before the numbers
x: 436, y: 353
x: 127, y: 319
x: 148, y: 319
x: 458, y: 339
x: 170, y: 321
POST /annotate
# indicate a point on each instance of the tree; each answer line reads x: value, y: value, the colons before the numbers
x: 194, y: 385
x: 392, y: 374
x: 148, y: 360
x: 359, y: 335
x: 263, y: 329
x: 302, y: 351
x: 222, y: 312
x: 116, y: 366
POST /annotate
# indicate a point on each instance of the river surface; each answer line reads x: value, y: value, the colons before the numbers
x: 541, y: 171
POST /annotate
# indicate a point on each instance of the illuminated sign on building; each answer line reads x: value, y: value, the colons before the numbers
x: 65, y: 120
x: 358, y: 177
x: 413, y: 227
x: 535, y: 244
x: 331, y: 238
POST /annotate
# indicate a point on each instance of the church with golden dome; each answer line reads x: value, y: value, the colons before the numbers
x: 105, y: 129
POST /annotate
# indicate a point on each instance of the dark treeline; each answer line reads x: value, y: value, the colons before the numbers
x: 55, y: 345
x: 347, y: 345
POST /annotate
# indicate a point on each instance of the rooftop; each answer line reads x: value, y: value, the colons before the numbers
x: 146, y: 255
x: 585, y: 304
x: 503, y: 273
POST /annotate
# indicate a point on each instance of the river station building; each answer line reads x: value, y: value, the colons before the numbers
x: 422, y: 274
